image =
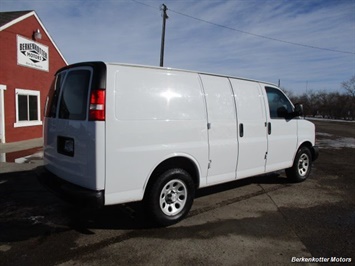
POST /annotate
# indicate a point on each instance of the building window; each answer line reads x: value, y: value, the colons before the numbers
x: 27, y: 108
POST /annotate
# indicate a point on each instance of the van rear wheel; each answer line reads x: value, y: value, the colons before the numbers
x: 301, y: 167
x: 170, y: 198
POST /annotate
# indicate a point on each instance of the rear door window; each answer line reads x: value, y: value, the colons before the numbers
x: 74, y: 97
x: 53, y: 95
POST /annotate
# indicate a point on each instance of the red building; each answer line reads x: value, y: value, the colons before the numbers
x: 29, y: 59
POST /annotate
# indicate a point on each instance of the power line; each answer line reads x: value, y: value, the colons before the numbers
x: 262, y: 36
x: 252, y: 34
x: 144, y: 4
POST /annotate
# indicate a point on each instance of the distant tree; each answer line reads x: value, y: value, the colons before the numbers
x: 349, y: 104
x: 349, y: 86
x: 337, y: 105
x: 289, y: 93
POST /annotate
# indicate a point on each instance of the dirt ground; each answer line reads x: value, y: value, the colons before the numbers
x: 337, y: 151
x: 334, y: 224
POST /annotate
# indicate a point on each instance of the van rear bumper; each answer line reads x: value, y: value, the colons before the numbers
x: 69, y: 192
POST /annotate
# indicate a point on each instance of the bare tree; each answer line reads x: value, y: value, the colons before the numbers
x: 349, y: 86
x: 337, y: 105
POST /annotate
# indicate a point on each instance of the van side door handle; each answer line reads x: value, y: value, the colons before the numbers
x: 241, y: 130
x: 269, y: 128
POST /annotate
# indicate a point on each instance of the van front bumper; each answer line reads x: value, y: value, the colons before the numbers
x: 70, y: 192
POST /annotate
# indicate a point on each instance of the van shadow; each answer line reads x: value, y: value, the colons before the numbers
x: 270, y: 178
x: 133, y: 215
x: 28, y: 210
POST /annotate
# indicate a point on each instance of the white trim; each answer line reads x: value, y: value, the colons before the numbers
x: 33, y: 13
x: 13, y: 22
x: 27, y: 123
x: 2, y: 112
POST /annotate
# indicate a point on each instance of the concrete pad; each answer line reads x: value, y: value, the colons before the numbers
x: 21, y: 145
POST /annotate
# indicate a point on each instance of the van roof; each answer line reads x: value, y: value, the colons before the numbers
x: 167, y: 68
x: 190, y: 71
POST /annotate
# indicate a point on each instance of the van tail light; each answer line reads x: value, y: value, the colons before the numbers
x: 97, y: 105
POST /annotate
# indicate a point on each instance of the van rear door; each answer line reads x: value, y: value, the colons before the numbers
x: 74, y: 139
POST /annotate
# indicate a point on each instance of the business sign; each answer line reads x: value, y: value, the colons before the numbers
x: 32, y: 54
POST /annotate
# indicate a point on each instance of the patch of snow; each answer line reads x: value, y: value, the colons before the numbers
x: 36, y: 219
x: 323, y: 134
x: 330, y: 120
x: 336, y: 143
x: 29, y: 158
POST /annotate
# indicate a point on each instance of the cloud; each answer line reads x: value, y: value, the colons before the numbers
x: 129, y: 31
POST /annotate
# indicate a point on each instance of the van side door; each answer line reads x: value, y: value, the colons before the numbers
x: 222, y: 129
x: 282, y: 130
x: 251, y: 118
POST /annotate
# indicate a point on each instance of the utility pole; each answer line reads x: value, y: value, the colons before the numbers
x: 163, y: 8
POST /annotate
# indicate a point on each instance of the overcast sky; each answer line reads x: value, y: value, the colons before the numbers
x: 264, y: 40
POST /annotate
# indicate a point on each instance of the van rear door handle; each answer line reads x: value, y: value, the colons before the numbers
x: 241, y: 130
x: 269, y: 128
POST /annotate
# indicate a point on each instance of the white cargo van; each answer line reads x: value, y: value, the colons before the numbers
x: 119, y: 133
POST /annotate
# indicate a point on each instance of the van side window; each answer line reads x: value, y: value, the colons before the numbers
x: 279, y: 105
x: 74, y: 98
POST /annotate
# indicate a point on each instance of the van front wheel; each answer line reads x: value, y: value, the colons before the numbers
x: 170, y: 198
x: 301, y: 166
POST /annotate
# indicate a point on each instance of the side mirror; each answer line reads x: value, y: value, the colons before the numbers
x: 282, y: 112
x: 298, y: 109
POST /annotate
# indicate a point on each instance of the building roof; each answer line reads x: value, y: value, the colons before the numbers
x: 8, y: 19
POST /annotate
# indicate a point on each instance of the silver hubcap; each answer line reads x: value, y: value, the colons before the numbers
x: 173, y: 197
x: 303, y: 164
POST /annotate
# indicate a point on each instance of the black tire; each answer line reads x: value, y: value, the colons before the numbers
x: 301, y: 167
x: 169, y: 199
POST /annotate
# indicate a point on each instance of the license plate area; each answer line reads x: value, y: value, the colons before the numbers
x: 65, y: 146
